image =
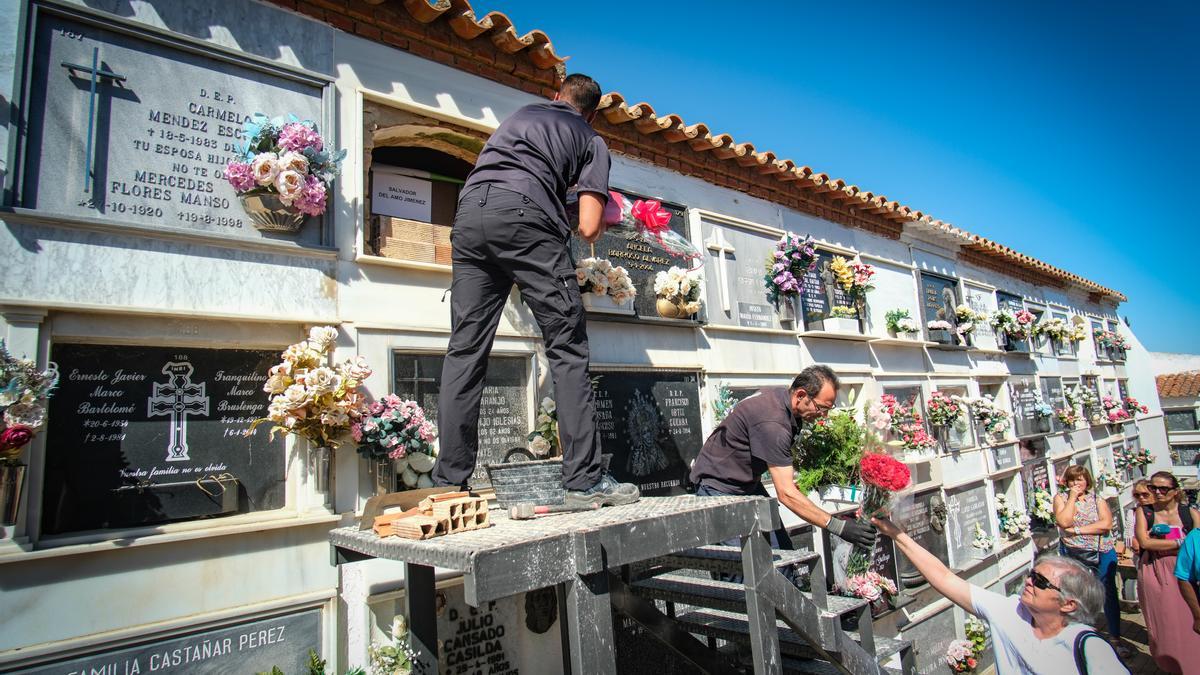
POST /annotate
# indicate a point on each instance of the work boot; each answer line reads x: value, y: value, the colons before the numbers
x: 607, y: 492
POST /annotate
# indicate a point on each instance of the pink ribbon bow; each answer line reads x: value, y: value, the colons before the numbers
x: 652, y: 216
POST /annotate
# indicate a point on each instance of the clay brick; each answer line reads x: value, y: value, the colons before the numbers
x: 340, y: 21
x: 395, y: 40
x: 309, y: 9
x: 332, y: 5
x: 368, y: 31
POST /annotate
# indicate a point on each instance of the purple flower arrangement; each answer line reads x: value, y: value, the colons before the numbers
x: 786, y: 267
x: 286, y: 159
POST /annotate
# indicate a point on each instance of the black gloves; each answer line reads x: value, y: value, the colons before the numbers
x: 859, y: 534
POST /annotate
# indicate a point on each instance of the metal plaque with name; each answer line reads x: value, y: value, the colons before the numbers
x: 965, y: 509
x: 255, y: 646
x: 134, y: 130
x: 1006, y: 456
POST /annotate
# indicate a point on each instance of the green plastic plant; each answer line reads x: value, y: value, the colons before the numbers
x: 829, y: 452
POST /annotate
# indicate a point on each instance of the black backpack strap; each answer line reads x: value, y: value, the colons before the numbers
x: 1080, y: 659
x: 1185, y: 517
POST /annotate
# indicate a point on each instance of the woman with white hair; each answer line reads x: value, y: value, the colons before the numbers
x: 1046, y: 629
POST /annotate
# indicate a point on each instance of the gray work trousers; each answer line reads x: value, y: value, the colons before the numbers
x: 500, y: 237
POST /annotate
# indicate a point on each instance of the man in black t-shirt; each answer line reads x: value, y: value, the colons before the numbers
x: 757, y: 437
x: 511, y: 227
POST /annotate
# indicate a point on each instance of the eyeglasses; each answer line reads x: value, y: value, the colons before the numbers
x: 821, y: 407
x: 1142, y: 495
x: 1161, y: 489
x: 1040, y: 581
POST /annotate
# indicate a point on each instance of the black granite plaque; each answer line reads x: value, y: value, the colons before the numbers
x: 650, y: 422
x: 1187, y: 454
x: 503, y: 409
x: 814, y: 291
x: 1052, y: 394
x: 923, y: 517
x: 161, y: 134
x: 1009, y: 302
x: 939, y: 297
x: 741, y: 275
x: 965, y: 508
x: 643, y: 262
x: 251, y: 647
x: 1036, y: 475
x: 140, y: 435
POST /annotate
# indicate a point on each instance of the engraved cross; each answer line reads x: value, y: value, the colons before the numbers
x: 717, y: 244
x: 178, y: 398
x: 95, y: 74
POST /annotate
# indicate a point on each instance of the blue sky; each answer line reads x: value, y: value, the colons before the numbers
x: 1067, y: 131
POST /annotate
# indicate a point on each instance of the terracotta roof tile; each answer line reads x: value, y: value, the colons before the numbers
x: 1179, y: 385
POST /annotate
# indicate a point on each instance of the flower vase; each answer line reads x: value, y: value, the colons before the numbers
x: 604, y: 304
x: 785, y: 307
x: 12, y: 478
x: 841, y: 325
x: 319, y: 459
x: 671, y: 309
x: 904, y: 335
x: 269, y: 214
x: 940, y: 336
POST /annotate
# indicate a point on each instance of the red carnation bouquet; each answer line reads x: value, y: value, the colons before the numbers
x: 884, y: 476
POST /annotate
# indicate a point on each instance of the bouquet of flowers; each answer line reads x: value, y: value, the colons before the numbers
x: 1054, y: 328
x: 983, y: 541
x: 883, y: 476
x: 287, y: 159
x: 599, y: 277
x: 854, y: 277
x: 843, y: 312
x: 1128, y: 458
x: 868, y: 585
x: 1014, y: 325
x: 396, y: 429
x: 23, y: 393
x: 1014, y: 522
x: 1110, y: 340
x: 938, y: 324
x: 903, y: 420
x: 724, y: 403
x: 1067, y: 416
x: 1109, y: 479
x: 990, y: 416
x: 1133, y: 407
x: 977, y: 633
x: 898, y: 321
x: 945, y: 411
x: 786, y: 267
x: 680, y: 286
x: 311, y: 399
x: 829, y: 452
x: 1043, y: 505
x: 960, y: 656
x: 397, y: 655
x: 1113, y: 409
x: 967, y: 319
x: 1041, y: 409
x: 543, y: 440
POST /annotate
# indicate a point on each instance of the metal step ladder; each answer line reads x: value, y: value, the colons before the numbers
x: 806, y: 635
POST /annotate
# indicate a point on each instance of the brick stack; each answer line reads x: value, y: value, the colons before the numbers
x: 435, y: 516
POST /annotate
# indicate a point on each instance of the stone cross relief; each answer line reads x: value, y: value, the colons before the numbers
x: 178, y: 397
x: 717, y: 244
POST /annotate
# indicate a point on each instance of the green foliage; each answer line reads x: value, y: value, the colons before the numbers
x: 724, y: 403
x: 829, y: 452
x: 316, y: 666
x: 893, y: 318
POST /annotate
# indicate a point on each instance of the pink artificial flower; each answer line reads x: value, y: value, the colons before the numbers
x: 298, y: 137
x: 240, y: 176
x: 15, y: 437
x: 376, y: 408
x: 311, y: 200
x: 356, y: 432
x: 393, y: 401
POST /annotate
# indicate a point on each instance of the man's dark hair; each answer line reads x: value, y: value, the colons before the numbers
x: 580, y: 91
x: 813, y: 378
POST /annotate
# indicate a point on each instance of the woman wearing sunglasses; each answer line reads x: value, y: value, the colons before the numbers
x: 1036, y: 632
x: 1141, y: 497
x: 1160, y: 530
x: 1084, y: 524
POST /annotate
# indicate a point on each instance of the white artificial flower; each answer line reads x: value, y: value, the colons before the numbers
x: 295, y: 396
x: 322, y: 380
x: 543, y: 418
x: 321, y: 337
x: 31, y: 415
x: 289, y: 184
x: 539, y: 445
x: 293, y: 161
x: 265, y: 168
x: 549, y: 405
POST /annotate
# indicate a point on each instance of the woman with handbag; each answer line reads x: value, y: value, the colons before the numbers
x: 1160, y: 530
x: 1084, y: 523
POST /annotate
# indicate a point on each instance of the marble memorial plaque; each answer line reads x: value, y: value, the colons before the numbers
x: 251, y: 647
x: 1009, y: 302
x: 642, y: 261
x: 966, y: 508
x: 930, y: 639
x: 1187, y: 454
x: 503, y: 409
x: 740, y: 276
x: 650, y: 423
x: 480, y: 639
x: 1052, y: 394
x: 1005, y: 457
x: 981, y: 302
x: 142, y: 435
x: 166, y: 121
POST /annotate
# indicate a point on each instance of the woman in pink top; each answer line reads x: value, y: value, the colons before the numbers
x: 1160, y: 530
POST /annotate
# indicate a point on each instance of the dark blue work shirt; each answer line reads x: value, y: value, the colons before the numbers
x: 757, y: 434
x: 541, y: 150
